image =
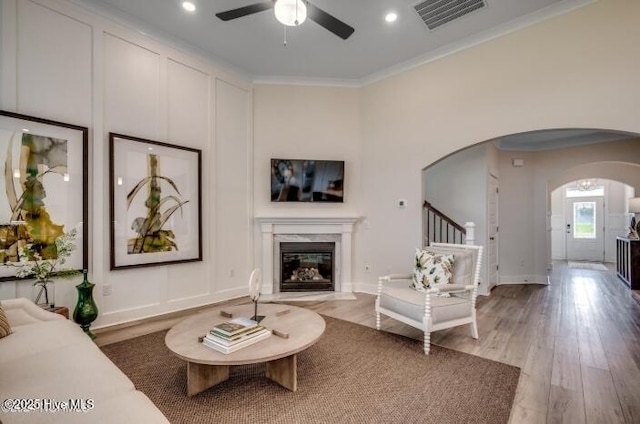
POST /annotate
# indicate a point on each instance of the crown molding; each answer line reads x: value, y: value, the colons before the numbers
x: 307, y: 81
x: 514, y: 25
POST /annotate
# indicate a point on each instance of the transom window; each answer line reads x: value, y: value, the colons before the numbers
x: 597, y: 191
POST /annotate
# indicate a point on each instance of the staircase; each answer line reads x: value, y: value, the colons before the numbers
x: 439, y: 228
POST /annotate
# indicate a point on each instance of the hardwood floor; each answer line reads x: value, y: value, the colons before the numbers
x: 577, y: 342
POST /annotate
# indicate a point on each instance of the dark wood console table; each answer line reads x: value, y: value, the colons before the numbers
x: 628, y: 261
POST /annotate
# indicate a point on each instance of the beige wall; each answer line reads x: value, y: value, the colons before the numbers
x: 624, y: 170
x: 457, y: 186
x: 562, y: 73
x: 299, y: 122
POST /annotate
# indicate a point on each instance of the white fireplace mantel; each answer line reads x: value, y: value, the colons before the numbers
x: 271, y: 227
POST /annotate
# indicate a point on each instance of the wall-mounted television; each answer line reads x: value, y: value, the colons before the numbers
x: 296, y: 180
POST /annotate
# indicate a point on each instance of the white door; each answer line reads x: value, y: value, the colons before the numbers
x: 585, y: 228
x: 492, y: 225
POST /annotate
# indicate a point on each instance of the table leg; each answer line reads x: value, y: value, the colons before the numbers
x: 200, y: 377
x: 284, y: 371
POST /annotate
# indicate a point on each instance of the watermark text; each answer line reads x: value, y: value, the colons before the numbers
x: 47, y: 405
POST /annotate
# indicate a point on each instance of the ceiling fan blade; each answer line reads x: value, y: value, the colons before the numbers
x: 244, y: 11
x: 329, y: 22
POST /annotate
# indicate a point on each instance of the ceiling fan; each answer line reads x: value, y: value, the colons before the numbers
x: 292, y: 13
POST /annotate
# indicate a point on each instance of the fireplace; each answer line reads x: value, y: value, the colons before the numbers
x: 278, y: 230
x: 307, y: 266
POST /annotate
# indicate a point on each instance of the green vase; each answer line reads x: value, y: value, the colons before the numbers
x: 86, y: 310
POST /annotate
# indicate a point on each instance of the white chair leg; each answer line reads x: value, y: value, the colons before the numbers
x: 474, y: 329
x: 427, y: 342
x: 377, y: 320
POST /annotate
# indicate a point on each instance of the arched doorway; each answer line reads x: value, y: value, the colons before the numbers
x: 586, y: 216
x: 458, y: 185
x: 619, y: 181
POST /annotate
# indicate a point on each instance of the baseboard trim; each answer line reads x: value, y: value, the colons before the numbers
x: 365, y: 288
x: 523, y: 279
x: 162, y: 316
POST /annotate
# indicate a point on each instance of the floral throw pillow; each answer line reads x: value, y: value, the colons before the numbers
x: 432, y: 269
x: 5, y: 328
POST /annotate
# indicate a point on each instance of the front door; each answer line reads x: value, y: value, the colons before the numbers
x: 585, y: 228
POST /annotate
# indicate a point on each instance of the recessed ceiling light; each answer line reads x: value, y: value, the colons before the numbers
x: 188, y: 6
x: 391, y: 17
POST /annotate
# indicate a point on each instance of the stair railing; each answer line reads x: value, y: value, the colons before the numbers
x: 439, y: 228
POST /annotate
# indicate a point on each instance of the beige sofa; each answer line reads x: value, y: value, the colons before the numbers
x: 48, y: 357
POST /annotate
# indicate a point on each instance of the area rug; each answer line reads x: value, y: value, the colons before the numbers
x: 353, y: 374
x: 588, y: 265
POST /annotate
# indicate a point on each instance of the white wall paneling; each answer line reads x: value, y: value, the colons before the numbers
x: 8, y: 65
x: 92, y: 71
x: 131, y: 88
x: 54, y: 66
x: 233, y: 187
x: 189, y: 123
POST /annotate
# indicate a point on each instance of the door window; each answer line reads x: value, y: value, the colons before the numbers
x: 584, y: 220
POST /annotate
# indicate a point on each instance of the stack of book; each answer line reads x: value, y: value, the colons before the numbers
x: 233, y: 335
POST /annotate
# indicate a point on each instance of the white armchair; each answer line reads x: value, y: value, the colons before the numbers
x: 425, y: 310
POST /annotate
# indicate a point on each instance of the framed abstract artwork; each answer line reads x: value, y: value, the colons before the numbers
x: 43, y: 193
x: 155, y: 208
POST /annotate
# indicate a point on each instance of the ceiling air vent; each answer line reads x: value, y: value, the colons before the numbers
x: 435, y: 13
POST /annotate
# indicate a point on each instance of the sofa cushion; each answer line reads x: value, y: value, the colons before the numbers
x: 79, y: 370
x: 5, y: 328
x: 410, y: 303
x: 431, y: 269
x: 22, y: 311
x: 128, y: 407
x: 41, y: 337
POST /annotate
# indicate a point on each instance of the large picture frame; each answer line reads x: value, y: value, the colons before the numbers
x: 155, y: 202
x: 44, y: 189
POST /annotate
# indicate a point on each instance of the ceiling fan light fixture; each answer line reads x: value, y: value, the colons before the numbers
x: 290, y: 12
x: 189, y: 6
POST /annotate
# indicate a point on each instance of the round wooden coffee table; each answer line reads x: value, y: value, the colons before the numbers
x: 207, y: 367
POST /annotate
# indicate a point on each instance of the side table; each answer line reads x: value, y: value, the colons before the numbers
x: 60, y: 310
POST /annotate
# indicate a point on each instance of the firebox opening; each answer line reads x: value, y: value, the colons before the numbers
x: 307, y: 266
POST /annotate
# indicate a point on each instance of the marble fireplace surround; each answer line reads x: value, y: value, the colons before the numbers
x: 276, y: 230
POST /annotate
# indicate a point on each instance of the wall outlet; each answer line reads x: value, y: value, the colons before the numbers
x: 107, y: 289
x: 401, y: 203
